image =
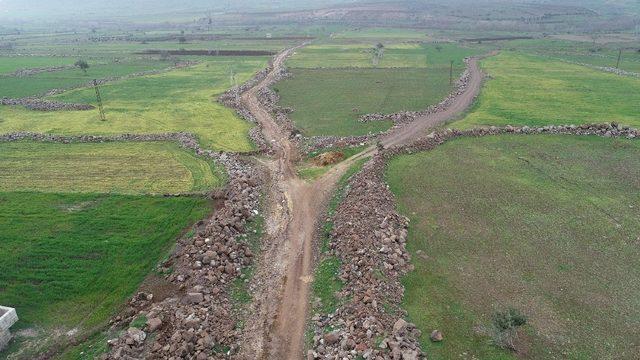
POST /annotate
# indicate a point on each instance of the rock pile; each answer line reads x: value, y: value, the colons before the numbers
x: 369, y: 238
x: 44, y: 105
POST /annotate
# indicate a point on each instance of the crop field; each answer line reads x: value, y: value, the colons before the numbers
x: 545, y: 224
x: 75, y: 258
x: 118, y: 167
x: 334, y: 84
x: 530, y: 90
x: 179, y: 100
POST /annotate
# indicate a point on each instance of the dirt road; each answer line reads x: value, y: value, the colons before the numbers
x: 294, y: 207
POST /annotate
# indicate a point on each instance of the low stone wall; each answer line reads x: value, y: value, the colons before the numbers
x: 44, y: 105
x: 369, y: 238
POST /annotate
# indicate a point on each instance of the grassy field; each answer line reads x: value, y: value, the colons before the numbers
x: 546, y: 224
x: 120, y: 167
x: 76, y: 258
x: 330, y: 101
x: 334, y: 83
x: 530, y: 90
x: 180, y: 100
x: 17, y: 87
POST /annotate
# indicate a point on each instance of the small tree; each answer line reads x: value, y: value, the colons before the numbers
x: 83, y: 65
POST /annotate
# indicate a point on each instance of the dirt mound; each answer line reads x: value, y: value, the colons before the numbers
x: 328, y: 158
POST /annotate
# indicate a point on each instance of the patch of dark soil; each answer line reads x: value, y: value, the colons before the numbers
x: 328, y: 158
x: 210, y: 52
x: 160, y: 287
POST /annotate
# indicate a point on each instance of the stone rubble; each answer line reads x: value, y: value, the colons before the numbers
x: 39, y: 70
x: 38, y: 104
x: 369, y: 238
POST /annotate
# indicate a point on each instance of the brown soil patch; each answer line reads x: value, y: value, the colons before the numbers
x: 328, y: 158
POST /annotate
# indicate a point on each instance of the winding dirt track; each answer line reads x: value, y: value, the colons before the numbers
x: 294, y: 207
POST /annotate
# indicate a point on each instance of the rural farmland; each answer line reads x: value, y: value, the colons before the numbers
x: 295, y: 179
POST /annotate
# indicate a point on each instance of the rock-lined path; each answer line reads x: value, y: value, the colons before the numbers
x: 275, y: 329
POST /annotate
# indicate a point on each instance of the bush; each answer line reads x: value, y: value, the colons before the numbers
x: 505, y: 327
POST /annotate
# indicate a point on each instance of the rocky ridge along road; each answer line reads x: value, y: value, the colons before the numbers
x: 275, y: 329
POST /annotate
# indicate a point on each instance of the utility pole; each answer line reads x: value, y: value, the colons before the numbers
x: 451, y: 74
x: 619, y: 57
x: 234, y: 83
x: 99, y: 99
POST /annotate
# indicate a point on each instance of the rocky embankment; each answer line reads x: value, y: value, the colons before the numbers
x: 369, y: 238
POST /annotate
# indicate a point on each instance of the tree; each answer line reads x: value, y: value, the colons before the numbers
x: 82, y: 64
x: 182, y: 39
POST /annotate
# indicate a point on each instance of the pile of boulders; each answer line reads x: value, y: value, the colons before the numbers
x: 38, y: 104
x: 369, y: 238
x: 199, y: 321
x: 405, y: 117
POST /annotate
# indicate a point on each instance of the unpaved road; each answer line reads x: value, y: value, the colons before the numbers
x: 294, y: 207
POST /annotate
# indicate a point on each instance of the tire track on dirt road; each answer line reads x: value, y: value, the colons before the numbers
x: 275, y: 329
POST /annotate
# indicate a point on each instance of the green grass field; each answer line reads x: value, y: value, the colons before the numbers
x: 530, y: 90
x: 119, y: 167
x: 547, y: 224
x: 180, y: 100
x: 17, y: 87
x: 330, y: 101
x: 76, y: 258
x: 335, y: 82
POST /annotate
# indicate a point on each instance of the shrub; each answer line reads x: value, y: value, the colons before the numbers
x: 505, y: 325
